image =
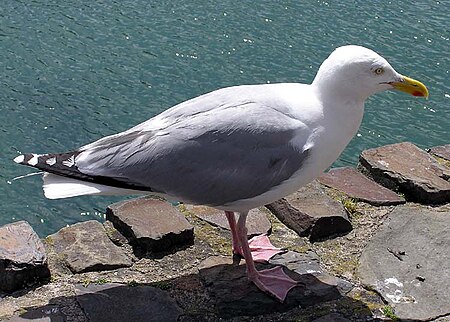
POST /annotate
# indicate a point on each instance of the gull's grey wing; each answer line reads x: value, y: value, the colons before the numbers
x: 216, y: 156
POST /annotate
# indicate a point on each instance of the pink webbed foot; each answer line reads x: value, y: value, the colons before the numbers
x: 273, y: 281
x: 262, y: 249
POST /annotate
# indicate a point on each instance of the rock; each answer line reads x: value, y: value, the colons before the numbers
x: 86, y: 247
x: 442, y: 151
x: 116, y: 237
x: 332, y: 317
x: 308, y: 263
x: 48, y: 313
x: 408, y: 262
x: 356, y: 185
x: 151, y: 224
x: 301, y: 263
x: 257, y: 221
x: 236, y: 296
x: 406, y: 168
x: 22, y: 257
x: 311, y: 212
x: 117, y: 302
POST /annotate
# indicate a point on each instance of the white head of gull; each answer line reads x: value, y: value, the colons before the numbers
x: 234, y: 149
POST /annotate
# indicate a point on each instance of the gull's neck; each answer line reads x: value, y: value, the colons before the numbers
x: 342, y: 110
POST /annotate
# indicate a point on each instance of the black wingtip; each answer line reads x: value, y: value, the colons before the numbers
x: 63, y: 164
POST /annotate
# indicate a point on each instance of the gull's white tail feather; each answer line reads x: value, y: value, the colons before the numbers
x: 57, y: 187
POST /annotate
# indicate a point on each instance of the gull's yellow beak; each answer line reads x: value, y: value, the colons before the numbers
x: 411, y: 86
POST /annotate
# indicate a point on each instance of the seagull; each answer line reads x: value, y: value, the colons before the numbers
x: 234, y: 149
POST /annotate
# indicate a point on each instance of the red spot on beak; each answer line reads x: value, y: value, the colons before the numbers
x: 417, y: 93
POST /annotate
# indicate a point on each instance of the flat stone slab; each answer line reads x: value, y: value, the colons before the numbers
x: 257, y: 221
x: 442, y: 151
x: 408, y: 262
x: 118, y: 302
x: 406, y: 168
x: 356, y: 185
x: 86, y: 247
x: 236, y: 296
x: 151, y: 224
x: 311, y: 212
x: 22, y: 257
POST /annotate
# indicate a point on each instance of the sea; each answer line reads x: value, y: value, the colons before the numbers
x: 74, y: 71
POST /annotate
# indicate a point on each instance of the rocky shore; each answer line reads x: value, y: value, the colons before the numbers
x: 370, y: 243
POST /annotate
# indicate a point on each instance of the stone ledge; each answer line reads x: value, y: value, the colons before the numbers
x: 22, y: 257
x: 408, y: 262
x: 354, y: 184
x: 150, y: 224
x: 85, y: 247
x: 311, y: 212
x: 405, y: 168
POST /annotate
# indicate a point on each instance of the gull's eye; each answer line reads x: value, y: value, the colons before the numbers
x: 379, y: 71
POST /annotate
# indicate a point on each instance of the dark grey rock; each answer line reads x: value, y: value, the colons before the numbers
x: 309, y: 263
x: 22, y: 257
x: 356, y: 185
x: 48, y: 313
x: 301, y: 263
x: 117, y: 302
x: 442, y: 151
x: 311, y: 212
x: 406, y: 168
x: 257, y: 221
x: 151, y: 224
x: 236, y: 296
x: 332, y: 317
x: 408, y: 262
x: 86, y: 247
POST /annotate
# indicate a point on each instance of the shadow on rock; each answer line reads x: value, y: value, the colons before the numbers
x: 235, y: 296
x: 226, y: 294
x: 141, y: 252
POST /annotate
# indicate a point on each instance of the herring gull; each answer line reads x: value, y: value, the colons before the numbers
x: 234, y: 149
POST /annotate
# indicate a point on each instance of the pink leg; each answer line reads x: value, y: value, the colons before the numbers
x: 234, y: 236
x: 261, y: 248
x: 273, y: 281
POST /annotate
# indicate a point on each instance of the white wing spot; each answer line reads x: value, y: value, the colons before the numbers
x: 19, y: 159
x: 51, y: 161
x: 34, y: 160
x: 69, y: 162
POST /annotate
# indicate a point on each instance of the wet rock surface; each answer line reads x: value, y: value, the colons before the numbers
x: 22, y: 257
x: 150, y: 224
x: 311, y: 212
x: 85, y: 247
x: 356, y: 185
x: 126, y: 303
x: 257, y: 221
x: 407, y: 169
x: 408, y: 262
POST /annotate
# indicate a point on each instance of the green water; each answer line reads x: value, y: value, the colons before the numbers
x: 74, y: 71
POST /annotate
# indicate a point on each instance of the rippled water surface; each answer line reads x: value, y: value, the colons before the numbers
x: 74, y: 71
